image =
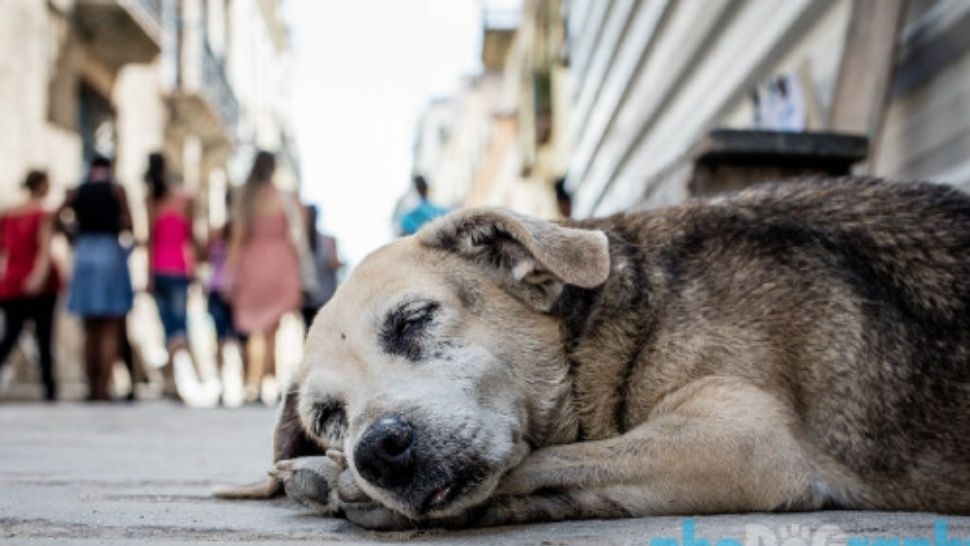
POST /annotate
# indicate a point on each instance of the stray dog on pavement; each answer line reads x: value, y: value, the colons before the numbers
x: 796, y: 346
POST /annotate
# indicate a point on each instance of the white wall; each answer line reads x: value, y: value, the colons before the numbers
x: 676, y: 70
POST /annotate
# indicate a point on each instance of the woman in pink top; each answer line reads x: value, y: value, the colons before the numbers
x: 265, y: 270
x: 171, y: 259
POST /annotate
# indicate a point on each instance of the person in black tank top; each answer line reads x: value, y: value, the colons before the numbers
x: 97, y: 208
x: 101, y: 292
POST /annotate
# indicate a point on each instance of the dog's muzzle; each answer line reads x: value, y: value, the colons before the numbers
x: 404, y: 460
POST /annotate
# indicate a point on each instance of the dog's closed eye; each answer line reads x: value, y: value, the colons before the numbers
x: 404, y: 326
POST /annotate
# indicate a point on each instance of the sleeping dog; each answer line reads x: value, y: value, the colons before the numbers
x: 793, y: 347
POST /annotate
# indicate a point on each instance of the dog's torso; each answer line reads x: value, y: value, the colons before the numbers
x: 846, y: 300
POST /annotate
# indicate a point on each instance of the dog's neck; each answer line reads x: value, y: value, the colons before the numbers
x: 552, y: 408
x: 604, y: 333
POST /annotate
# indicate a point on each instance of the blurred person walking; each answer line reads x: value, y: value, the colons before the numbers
x: 326, y: 263
x: 424, y: 212
x: 171, y: 252
x: 100, y: 291
x: 29, y: 281
x: 220, y: 308
x: 264, y: 272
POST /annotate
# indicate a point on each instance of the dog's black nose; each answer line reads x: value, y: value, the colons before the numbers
x: 383, y: 455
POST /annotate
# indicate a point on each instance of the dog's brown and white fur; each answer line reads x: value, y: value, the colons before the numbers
x: 793, y: 347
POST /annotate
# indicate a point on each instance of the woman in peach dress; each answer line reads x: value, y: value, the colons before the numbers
x: 264, y: 267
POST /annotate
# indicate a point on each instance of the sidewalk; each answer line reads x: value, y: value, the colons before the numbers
x: 80, y: 474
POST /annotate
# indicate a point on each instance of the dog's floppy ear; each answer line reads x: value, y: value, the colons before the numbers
x: 289, y: 442
x: 533, y: 258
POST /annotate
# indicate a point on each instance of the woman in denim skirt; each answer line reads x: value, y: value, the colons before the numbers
x: 100, y: 292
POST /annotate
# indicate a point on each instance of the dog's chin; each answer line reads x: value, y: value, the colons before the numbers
x: 457, y: 498
x: 441, y: 493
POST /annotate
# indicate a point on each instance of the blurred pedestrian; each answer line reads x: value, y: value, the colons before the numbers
x: 171, y: 253
x: 326, y: 264
x: 29, y: 281
x: 265, y: 271
x: 100, y: 291
x: 218, y: 303
x: 424, y: 212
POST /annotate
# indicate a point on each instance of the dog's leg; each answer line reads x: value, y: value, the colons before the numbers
x: 718, y: 445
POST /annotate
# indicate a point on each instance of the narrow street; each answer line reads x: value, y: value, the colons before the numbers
x: 142, y: 473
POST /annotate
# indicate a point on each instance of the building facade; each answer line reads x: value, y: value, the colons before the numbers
x: 503, y: 140
x: 68, y: 70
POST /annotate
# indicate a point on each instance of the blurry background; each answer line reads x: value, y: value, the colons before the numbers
x: 617, y: 104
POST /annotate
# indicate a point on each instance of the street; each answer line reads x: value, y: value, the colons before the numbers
x: 72, y: 473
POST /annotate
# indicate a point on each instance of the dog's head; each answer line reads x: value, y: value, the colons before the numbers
x: 438, y: 362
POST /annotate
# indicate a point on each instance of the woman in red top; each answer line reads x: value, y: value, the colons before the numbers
x: 28, y: 279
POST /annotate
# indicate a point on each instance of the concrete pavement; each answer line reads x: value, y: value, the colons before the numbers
x: 81, y: 474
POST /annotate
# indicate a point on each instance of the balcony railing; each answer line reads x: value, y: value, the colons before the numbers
x: 216, y: 86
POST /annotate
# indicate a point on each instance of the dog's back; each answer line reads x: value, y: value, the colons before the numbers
x: 846, y: 298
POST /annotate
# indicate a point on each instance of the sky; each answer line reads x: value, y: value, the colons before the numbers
x: 363, y: 70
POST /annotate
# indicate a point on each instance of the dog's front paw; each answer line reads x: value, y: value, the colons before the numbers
x: 326, y: 485
x: 311, y: 481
